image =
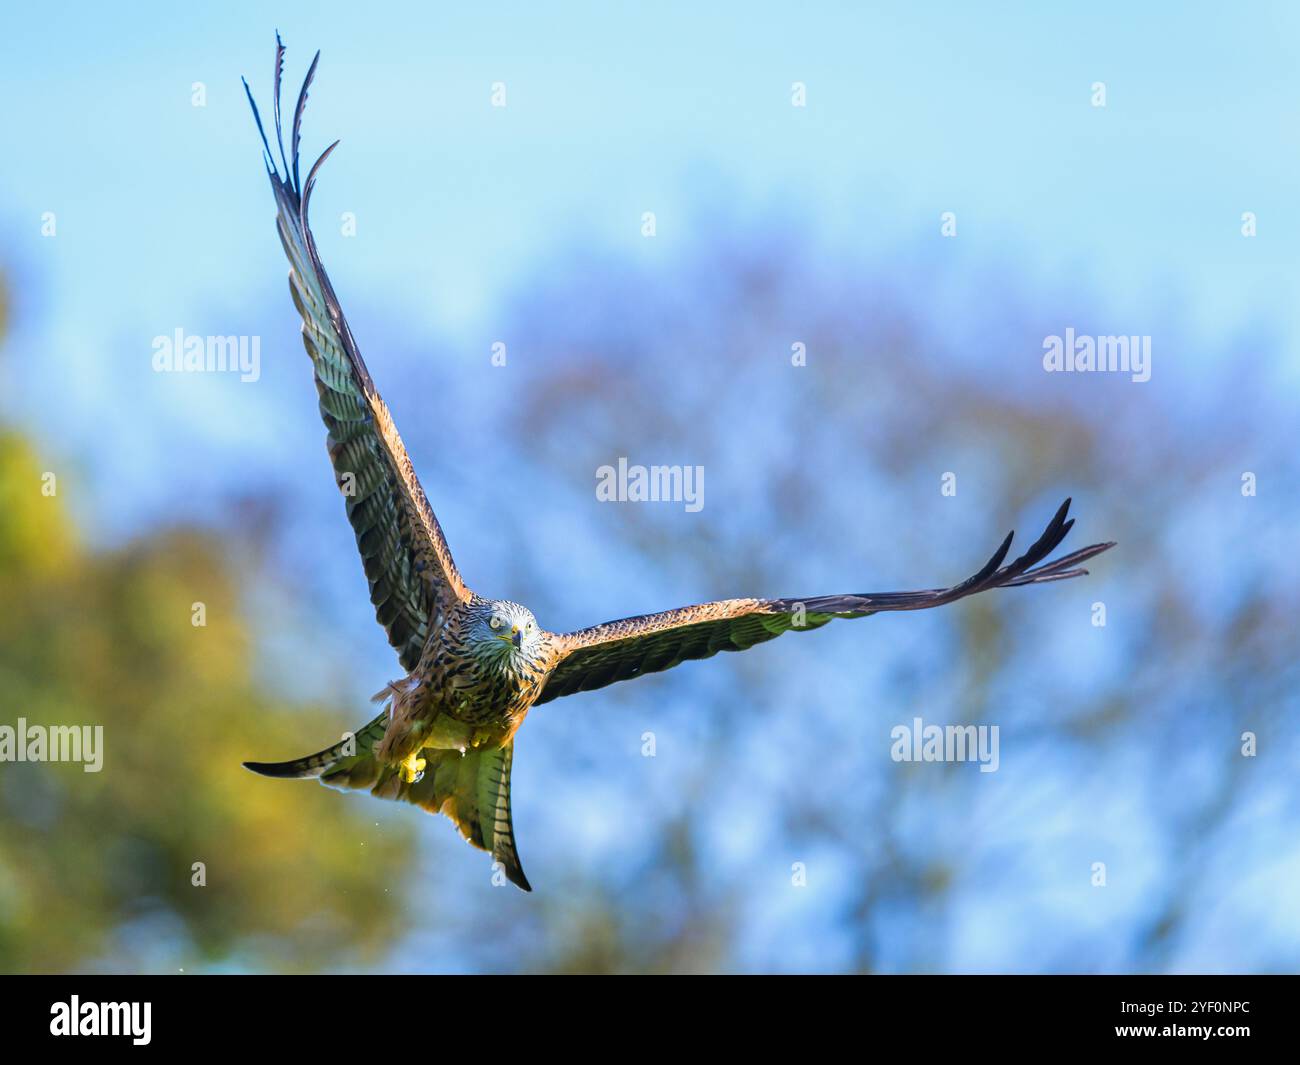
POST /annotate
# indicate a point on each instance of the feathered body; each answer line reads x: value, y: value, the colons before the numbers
x: 473, y: 684
x: 444, y: 740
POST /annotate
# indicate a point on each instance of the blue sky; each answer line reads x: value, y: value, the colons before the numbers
x: 613, y: 110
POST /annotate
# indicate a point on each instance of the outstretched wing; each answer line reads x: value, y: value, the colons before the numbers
x: 409, y: 566
x: 620, y: 650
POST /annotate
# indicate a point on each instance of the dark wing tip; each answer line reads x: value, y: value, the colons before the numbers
x: 269, y: 769
x: 291, y: 178
x: 296, y: 136
x: 1029, y: 568
x: 1000, y: 554
x: 257, y: 117
x: 989, y: 570
x: 311, y: 180
x: 279, y: 77
x: 1048, y: 542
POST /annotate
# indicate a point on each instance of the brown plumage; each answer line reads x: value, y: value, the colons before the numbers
x: 444, y: 740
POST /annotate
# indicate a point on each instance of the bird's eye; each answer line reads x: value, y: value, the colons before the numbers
x: 529, y: 627
x: 495, y: 623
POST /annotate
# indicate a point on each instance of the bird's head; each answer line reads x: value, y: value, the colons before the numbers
x: 507, y: 632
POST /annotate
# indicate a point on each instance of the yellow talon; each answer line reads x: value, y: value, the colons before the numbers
x: 413, y: 768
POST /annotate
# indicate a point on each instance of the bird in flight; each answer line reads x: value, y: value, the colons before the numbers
x: 444, y: 737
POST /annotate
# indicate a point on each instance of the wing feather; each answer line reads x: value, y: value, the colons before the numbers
x: 620, y: 650
x: 406, y: 558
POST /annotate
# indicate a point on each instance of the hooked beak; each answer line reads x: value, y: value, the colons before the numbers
x: 516, y: 637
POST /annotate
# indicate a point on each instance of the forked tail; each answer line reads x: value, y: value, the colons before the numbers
x: 473, y: 788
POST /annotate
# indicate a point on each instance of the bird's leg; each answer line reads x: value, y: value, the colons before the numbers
x: 412, y: 768
x: 416, y: 723
x: 402, y: 738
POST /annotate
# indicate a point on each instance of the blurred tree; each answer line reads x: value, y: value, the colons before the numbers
x: 97, y: 868
x: 1120, y: 743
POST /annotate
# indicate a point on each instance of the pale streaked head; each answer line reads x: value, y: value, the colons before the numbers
x: 506, y: 632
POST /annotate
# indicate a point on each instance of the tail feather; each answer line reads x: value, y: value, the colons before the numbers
x: 473, y: 789
x: 470, y: 788
x: 352, y: 748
